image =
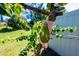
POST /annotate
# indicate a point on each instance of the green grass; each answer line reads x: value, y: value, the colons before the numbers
x: 10, y: 47
x: 12, y: 34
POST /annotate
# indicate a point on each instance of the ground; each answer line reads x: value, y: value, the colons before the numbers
x: 49, y: 52
x: 8, y: 45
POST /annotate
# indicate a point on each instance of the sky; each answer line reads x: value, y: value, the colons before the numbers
x: 69, y: 7
x: 72, y: 6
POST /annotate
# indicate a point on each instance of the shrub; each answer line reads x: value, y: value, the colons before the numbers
x: 21, y: 38
x: 18, y: 23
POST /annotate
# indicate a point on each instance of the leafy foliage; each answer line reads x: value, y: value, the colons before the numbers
x: 21, y: 38
x: 50, y: 6
x: 14, y: 11
x: 18, y: 23
x: 6, y: 29
x: 11, y: 9
x: 17, y: 9
x: 3, y: 9
x: 23, y: 52
x: 30, y: 14
x: 55, y: 6
x: 8, y: 8
x: 32, y: 39
x: 58, y: 30
x: 62, y: 4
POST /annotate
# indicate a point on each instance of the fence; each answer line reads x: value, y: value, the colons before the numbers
x: 69, y: 44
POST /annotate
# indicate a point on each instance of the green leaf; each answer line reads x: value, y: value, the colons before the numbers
x: 62, y: 4
x: 17, y: 8
x: 50, y: 6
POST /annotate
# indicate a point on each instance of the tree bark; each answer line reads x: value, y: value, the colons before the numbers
x: 35, y: 9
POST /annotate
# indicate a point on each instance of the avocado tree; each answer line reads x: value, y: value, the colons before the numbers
x: 14, y: 11
x: 33, y: 44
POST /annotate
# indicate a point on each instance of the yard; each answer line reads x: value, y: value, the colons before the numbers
x: 8, y: 45
x: 20, y: 25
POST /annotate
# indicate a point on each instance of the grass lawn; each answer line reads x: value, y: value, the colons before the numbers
x: 11, y: 47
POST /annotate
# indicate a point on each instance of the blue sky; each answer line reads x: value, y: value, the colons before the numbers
x: 69, y: 7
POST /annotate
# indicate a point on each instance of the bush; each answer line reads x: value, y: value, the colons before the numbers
x: 18, y: 23
x: 21, y: 38
x: 23, y: 52
x: 6, y: 29
x: 32, y: 40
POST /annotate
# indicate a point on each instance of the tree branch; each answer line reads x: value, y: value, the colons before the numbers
x: 35, y: 9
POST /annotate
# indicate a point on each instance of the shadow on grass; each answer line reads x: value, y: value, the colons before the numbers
x: 3, y: 30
